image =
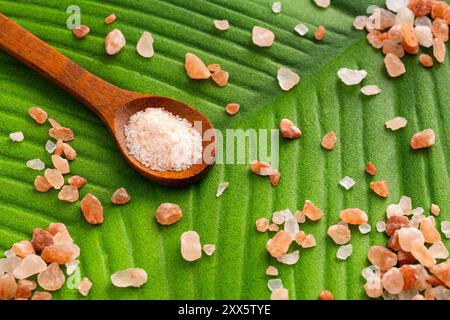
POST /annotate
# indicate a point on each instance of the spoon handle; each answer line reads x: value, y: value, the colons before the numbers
x: 100, y: 96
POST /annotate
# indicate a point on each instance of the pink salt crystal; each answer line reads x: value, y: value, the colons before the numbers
x: 8, y: 287
x: 41, y: 239
x: 168, y: 213
x: 52, y: 278
x: 30, y: 265
x: 220, y: 78
x: 195, y: 67
x: 92, y: 209
x: 339, y: 233
x: 59, y: 147
x: 373, y: 287
x: 209, y: 249
x: 354, y: 216
x: 81, y: 31
x: 371, y: 168
x: 322, y: 3
x: 406, y: 237
x: 289, y: 130
x: 428, y: 229
x: 439, y: 50
x: 442, y: 272
x: 191, y: 248
x: 421, y: 7
x: 396, y: 222
x: 438, y: 250
x: 261, y: 168
x: 84, y: 287
x: 280, y: 294
x: 372, y: 38
x: 312, y: 212
x: 262, y: 37
x: 418, y: 297
x: 262, y: 224
x: 329, y: 140
x: 23, y: 248
x: 395, y: 35
x: 423, y: 139
x: 381, y: 188
x: 289, y: 258
x: 41, y: 295
x: 421, y: 253
x: 145, y: 45
x: 213, y: 67
x: 17, y: 136
x: 110, y: 19
x: 394, y: 48
x: 309, y: 241
x: 271, y: 271
x: 8, y: 264
x: 54, y: 123
x: 222, y: 25
x: 440, y: 29
x: 320, y: 33
x: 299, y: 216
x: 114, y: 42
x: 370, y: 90
x: 61, y: 164
x: 232, y: 108
x: 396, y: 123
x: 287, y: 79
x: 64, y: 134
x: 300, y: 237
x: 360, y: 22
x: 120, y: 197
x: 38, y: 115
x: 273, y: 227
x: 132, y: 277
x: 41, y: 184
x: 55, y: 178
x: 275, y: 178
x: 435, y: 209
x: 279, y: 244
x: 410, y: 275
x: 60, y: 253
x: 394, y: 65
x: 409, y: 35
x: 393, y: 281
x: 424, y: 36
x: 77, y: 182
x: 382, y: 258
x: 24, y: 289
x: 68, y: 194
x: 69, y: 152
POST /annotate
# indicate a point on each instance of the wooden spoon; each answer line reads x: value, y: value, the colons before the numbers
x: 113, y: 105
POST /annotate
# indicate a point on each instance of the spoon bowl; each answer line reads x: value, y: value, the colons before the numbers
x: 113, y: 105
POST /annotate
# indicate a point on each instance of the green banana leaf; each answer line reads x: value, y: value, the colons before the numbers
x: 130, y: 236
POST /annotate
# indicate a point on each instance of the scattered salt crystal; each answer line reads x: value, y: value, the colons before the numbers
x: 191, y: 248
x: 396, y: 123
x: 323, y: 3
x: 406, y: 237
x: 120, y: 197
x: 145, y: 45
x: 438, y: 250
x: 291, y: 227
x: 38, y: 115
x: 220, y: 77
x: 221, y: 188
x: 435, y: 209
x: 442, y: 293
x: 393, y: 281
x: 9, y: 253
x: 364, y: 228
x: 339, y: 233
x: 426, y: 60
x: 50, y: 146
x: 222, y: 25
x: 81, y: 31
x: 344, y: 252
x: 209, y: 249
x: 439, y: 50
x: 262, y: 224
x: 36, y: 164
x: 30, y: 265
x: 54, y: 177
x: 68, y: 194
x: 301, y: 29
x: 280, y: 294
x: 417, y: 211
x: 405, y: 204
x: 276, y: 7
x: 279, y: 244
x: 347, y: 182
x: 311, y: 211
x: 370, y: 9
x: 287, y: 79
x: 92, y: 209
x: 232, y: 108
x: 132, y: 277
x: 111, y: 18
x: 195, y: 67
x: 351, y: 77
x: 17, y: 136
x: 289, y: 258
x: 84, y: 287
x: 73, y: 281
x: 404, y: 15
x: 320, y: 33
x: 329, y: 140
x: 77, y: 182
x: 425, y: 36
x: 289, y: 130
x: 279, y: 217
x: 394, y: 65
x: 381, y: 226
x: 61, y: 164
x: 360, y: 22
x: 72, y: 266
x: 300, y: 216
x: 271, y: 271
x: 9, y: 264
x: 61, y: 133
x: 262, y: 37
x: 396, y: 5
x: 274, y: 284
x: 273, y: 227
x: 114, y: 42
x: 423, y: 139
x: 445, y: 228
x: 370, y: 90
x: 52, y: 278
x: 423, y: 21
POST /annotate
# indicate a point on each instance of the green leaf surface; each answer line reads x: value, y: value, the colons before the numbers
x: 130, y: 236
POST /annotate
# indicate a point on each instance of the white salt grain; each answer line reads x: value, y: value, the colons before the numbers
x: 396, y: 5
x: 370, y: 9
x: 162, y: 141
x: 405, y: 204
x: 36, y: 164
x: 274, y: 284
x: 423, y: 21
x: 72, y: 266
x: 209, y: 249
x: 438, y: 250
x: 404, y: 15
x: 425, y: 36
x: 287, y: 79
x: 323, y: 3
x: 344, y: 252
x: 276, y: 7
x: 445, y: 228
x: 351, y: 77
x: 301, y: 29
x: 347, y: 182
x: 364, y: 228
x: 50, y: 146
x: 221, y: 188
x: 396, y: 123
x: 370, y: 90
x: 289, y: 258
x: 145, y: 45
x: 17, y: 136
x: 291, y: 227
x: 381, y: 226
x: 360, y: 22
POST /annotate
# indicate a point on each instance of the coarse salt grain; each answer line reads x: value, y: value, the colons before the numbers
x: 276, y: 7
x: 72, y: 266
x: 301, y: 29
x: 344, y: 252
x: 114, y: 42
x: 36, y: 164
x: 271, y: 271
x: 145, y: 45
x: 360, y: 22
x: 222, y: 25
x: 347, y: 182
x: 132, y: 277
x: 50, y: 146
x: 370, y: 90
x: 162, y: 141
x: 322, y: 3
x: 209, y: 249
x: 351, y: 77
x: 396, y: 123
x: 445, y: 228
x: 364, y: 228
x: 280, y: 294
x: 111, y: 18
x: 274, y: 284
x: 191, y: 248
x: 262, y: 37
x: 287, y: 79
x: 320, y: 33
x: 289, y: 258
x: 396, y: 5
x: 221, y: 188
x: 381, y: 226
x: 38, y: 115
x: 81, y: 31
x: 17, y: 136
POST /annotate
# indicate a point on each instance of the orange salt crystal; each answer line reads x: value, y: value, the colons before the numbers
x: 300, y: 237
x: 114, y: 42
x: 41, y: 239
x: 120, y: 197
x: 371, y: 168
x: 262, y: 224
x: 382, y: 258
x: 68, y: 194
x: 69, y: 152
x: 261, y: 168
x: 289, y: 130
x: 446, y: 16
x: 423, y: 139
x: 280, y: 294
x: 61, y: 164
x: 421, y: 253
x: 232, y: 108
x: 220, y: 77
x: 262, y: 37
x: 81, y: 31
x: 329, y: 140
x: 439, y: 50
x: 438, y: 9
x: 54, y: 177
x: 381, y: 188
x: 442, y: 272
x: 354, y: 216
x: 435, y: 209
x: 61, y: 133
x: 213, y: 67
x: 111, y: 18
x: 52, y: 278
x: 409, y: 49
x: 59, y: 232
x: 426, y: 60
x: 271, y: 271
x: 410, y: 275
x: 41, y: 184
x: 392, y: 281
x: 77, y: 182
x: 421, y: 7
x: 312, y: 212
x: 394, y: 48
x: 320, y: 33
x: 84, y: 287
x: 428, y: 229
x: 275, y: 178
x: 394, y: 65
x: 309, y: 241
x: 41, y: 295
x: 440, y: 29
x: 396, y: 222
x: 339, y: 233
x: 168, y: 213
x: 59, y: 149
x: 92, y: 209
x: 59, y: 253
x: 273, y: 227
x: 38, y: 115
x: 326, y: 295
x: 299, y: 216
x: 24, y: 289
x: 279, y: 244
x: 23, y: 248
x: 8, y: 287
x: 409, y: 35
x: 195, y: 68
x: 54, y: 123
x: 383, y: 36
